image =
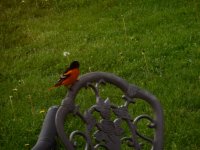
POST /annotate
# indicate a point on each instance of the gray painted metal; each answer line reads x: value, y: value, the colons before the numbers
x: 46, y: 140
x: 109, y: 133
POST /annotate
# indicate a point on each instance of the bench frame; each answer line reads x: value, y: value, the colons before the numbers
x: 109, y: 132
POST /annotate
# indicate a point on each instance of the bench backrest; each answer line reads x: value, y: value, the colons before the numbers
x: 109, y: 133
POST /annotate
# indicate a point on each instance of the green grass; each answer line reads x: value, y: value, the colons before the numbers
x: 153, y: 44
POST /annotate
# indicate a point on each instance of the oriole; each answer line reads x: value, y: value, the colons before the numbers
x: 69, y: 77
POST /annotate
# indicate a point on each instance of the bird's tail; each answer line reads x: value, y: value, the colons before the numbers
x: 51, y: 88
x: 56, y: 85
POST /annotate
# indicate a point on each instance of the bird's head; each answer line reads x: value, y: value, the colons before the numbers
x: 74, y: 64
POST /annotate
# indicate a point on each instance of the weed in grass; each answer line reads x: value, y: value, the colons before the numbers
x: 12, y: 108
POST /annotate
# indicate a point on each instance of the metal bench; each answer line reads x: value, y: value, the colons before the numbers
x: 108, y: 130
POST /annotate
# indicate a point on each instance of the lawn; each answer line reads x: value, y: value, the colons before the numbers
x: 154, y: 44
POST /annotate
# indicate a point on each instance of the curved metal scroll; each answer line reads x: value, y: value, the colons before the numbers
x: 109, y: 132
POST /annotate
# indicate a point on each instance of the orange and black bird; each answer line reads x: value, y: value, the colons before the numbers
x: 69, y: 77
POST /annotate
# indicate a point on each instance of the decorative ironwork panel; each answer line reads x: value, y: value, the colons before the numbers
x: 109, y: 133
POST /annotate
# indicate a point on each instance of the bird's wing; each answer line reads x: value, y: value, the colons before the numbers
x: 67, y: 70
x: 68, y: 73
x: 63, y: 77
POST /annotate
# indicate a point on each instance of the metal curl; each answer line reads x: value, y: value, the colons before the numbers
x: 130, y: 141
x: 152, y: 125
x: 128, y: 99
x: 144, y: 116
x: 101, y: 81
x: 100, y: 145
x: 74, y: 133
x: 94, y: 88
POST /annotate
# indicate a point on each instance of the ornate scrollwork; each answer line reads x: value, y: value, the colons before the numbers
x: 108, y: 132
x: 77, y: 133
x: 151, y: 125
